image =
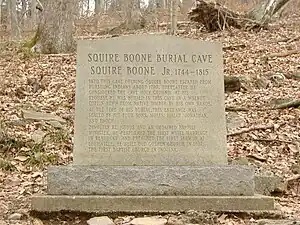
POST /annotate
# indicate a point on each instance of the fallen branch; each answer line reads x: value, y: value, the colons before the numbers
x: 257, y: 157
x: 294, y: 103
x: 273, y: 140
x: 289, y: 39
x: 284, y: 54
x: 251, y: 129
x: 235, y: 109
x: 294, y: 39
x: 234, y: 47
x: 163, y: 24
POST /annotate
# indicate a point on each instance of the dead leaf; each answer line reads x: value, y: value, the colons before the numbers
x: 21, y: 158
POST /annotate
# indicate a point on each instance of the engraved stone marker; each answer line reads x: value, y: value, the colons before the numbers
x: 150, y: 132
x: 149, y: 100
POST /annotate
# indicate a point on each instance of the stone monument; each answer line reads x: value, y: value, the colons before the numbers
x: 150, y: 132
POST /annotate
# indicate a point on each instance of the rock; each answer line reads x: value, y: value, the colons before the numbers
x: 149, y: 221
x: 18, y: 122
x: 233, y: 120
x: 32, y: 115
x: 38, y: 136
x: 55, y: 124
x: 37, y: 221
x: 15, y: 216
x: 266, y: 185
x: 123, y: 220
x: 277, y: 222
x: 175, y: 221
x: 103, y: 220
x: 295, y: 169
x: 262, y: 83
x: 279, y: 101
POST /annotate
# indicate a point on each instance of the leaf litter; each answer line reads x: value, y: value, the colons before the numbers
x: 46, y: 84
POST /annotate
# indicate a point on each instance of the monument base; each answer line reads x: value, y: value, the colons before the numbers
x: 151, y: 180
x: 97, y: 203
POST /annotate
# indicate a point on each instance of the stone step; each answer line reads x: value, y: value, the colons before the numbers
x: 102, y: 204
x: 151, y: 180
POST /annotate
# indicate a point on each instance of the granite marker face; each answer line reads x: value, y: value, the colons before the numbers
x: 155, y: 104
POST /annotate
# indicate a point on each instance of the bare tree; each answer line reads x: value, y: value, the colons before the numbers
x: 134, y: 17
x: 33, y: 12
x: 1, y: 2
x: 14, y: 27
x: 21, y: 17
x: 56, y: 31
x: 186, y: 5
x: 98, y: 7
x: 266, y: 9
x: 173, y: 16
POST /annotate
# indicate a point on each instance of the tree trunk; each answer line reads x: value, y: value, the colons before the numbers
x: 15, y: 30
x: 33, y: 13
x: 265, y: 10
x: 88, y: 8
x: 23, y: 12
x: 174, y: 10
x: 1, y: 1
x: 134, y: 18
x: 151, y: 5
x: 186, y: 5
x: 97, y: 7
x: 58, y: 26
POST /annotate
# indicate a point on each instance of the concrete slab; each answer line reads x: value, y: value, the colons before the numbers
x: 151, y: 180
x: 98, y: 203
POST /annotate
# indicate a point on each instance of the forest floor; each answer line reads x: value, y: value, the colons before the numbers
x: 267, y: 62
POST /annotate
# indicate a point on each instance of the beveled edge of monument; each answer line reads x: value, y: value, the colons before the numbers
x: 147, y: 35
x: 96, y: 203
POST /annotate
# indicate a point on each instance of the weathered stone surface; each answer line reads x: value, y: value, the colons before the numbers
x: 151, y: 203
x: 265, y: 185
x: 149, y: 221
x: 103, y: 220
x: 277, y: 222
x: 32, y: 115
x: 150, y: 180
x: 149, y: 100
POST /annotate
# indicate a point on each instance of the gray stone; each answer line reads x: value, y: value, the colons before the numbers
x: 55, y: 124
x: 106, y: 204
x: 233, y: 120
x: 150, y: 180
x: 149, y: 221
x: 33, y: 115
x: 38, y: 136
x: 162, y: 105
x: 265, y: 185
x: 15, y: 216
x: 103, y: 220
x: 277, y: 222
